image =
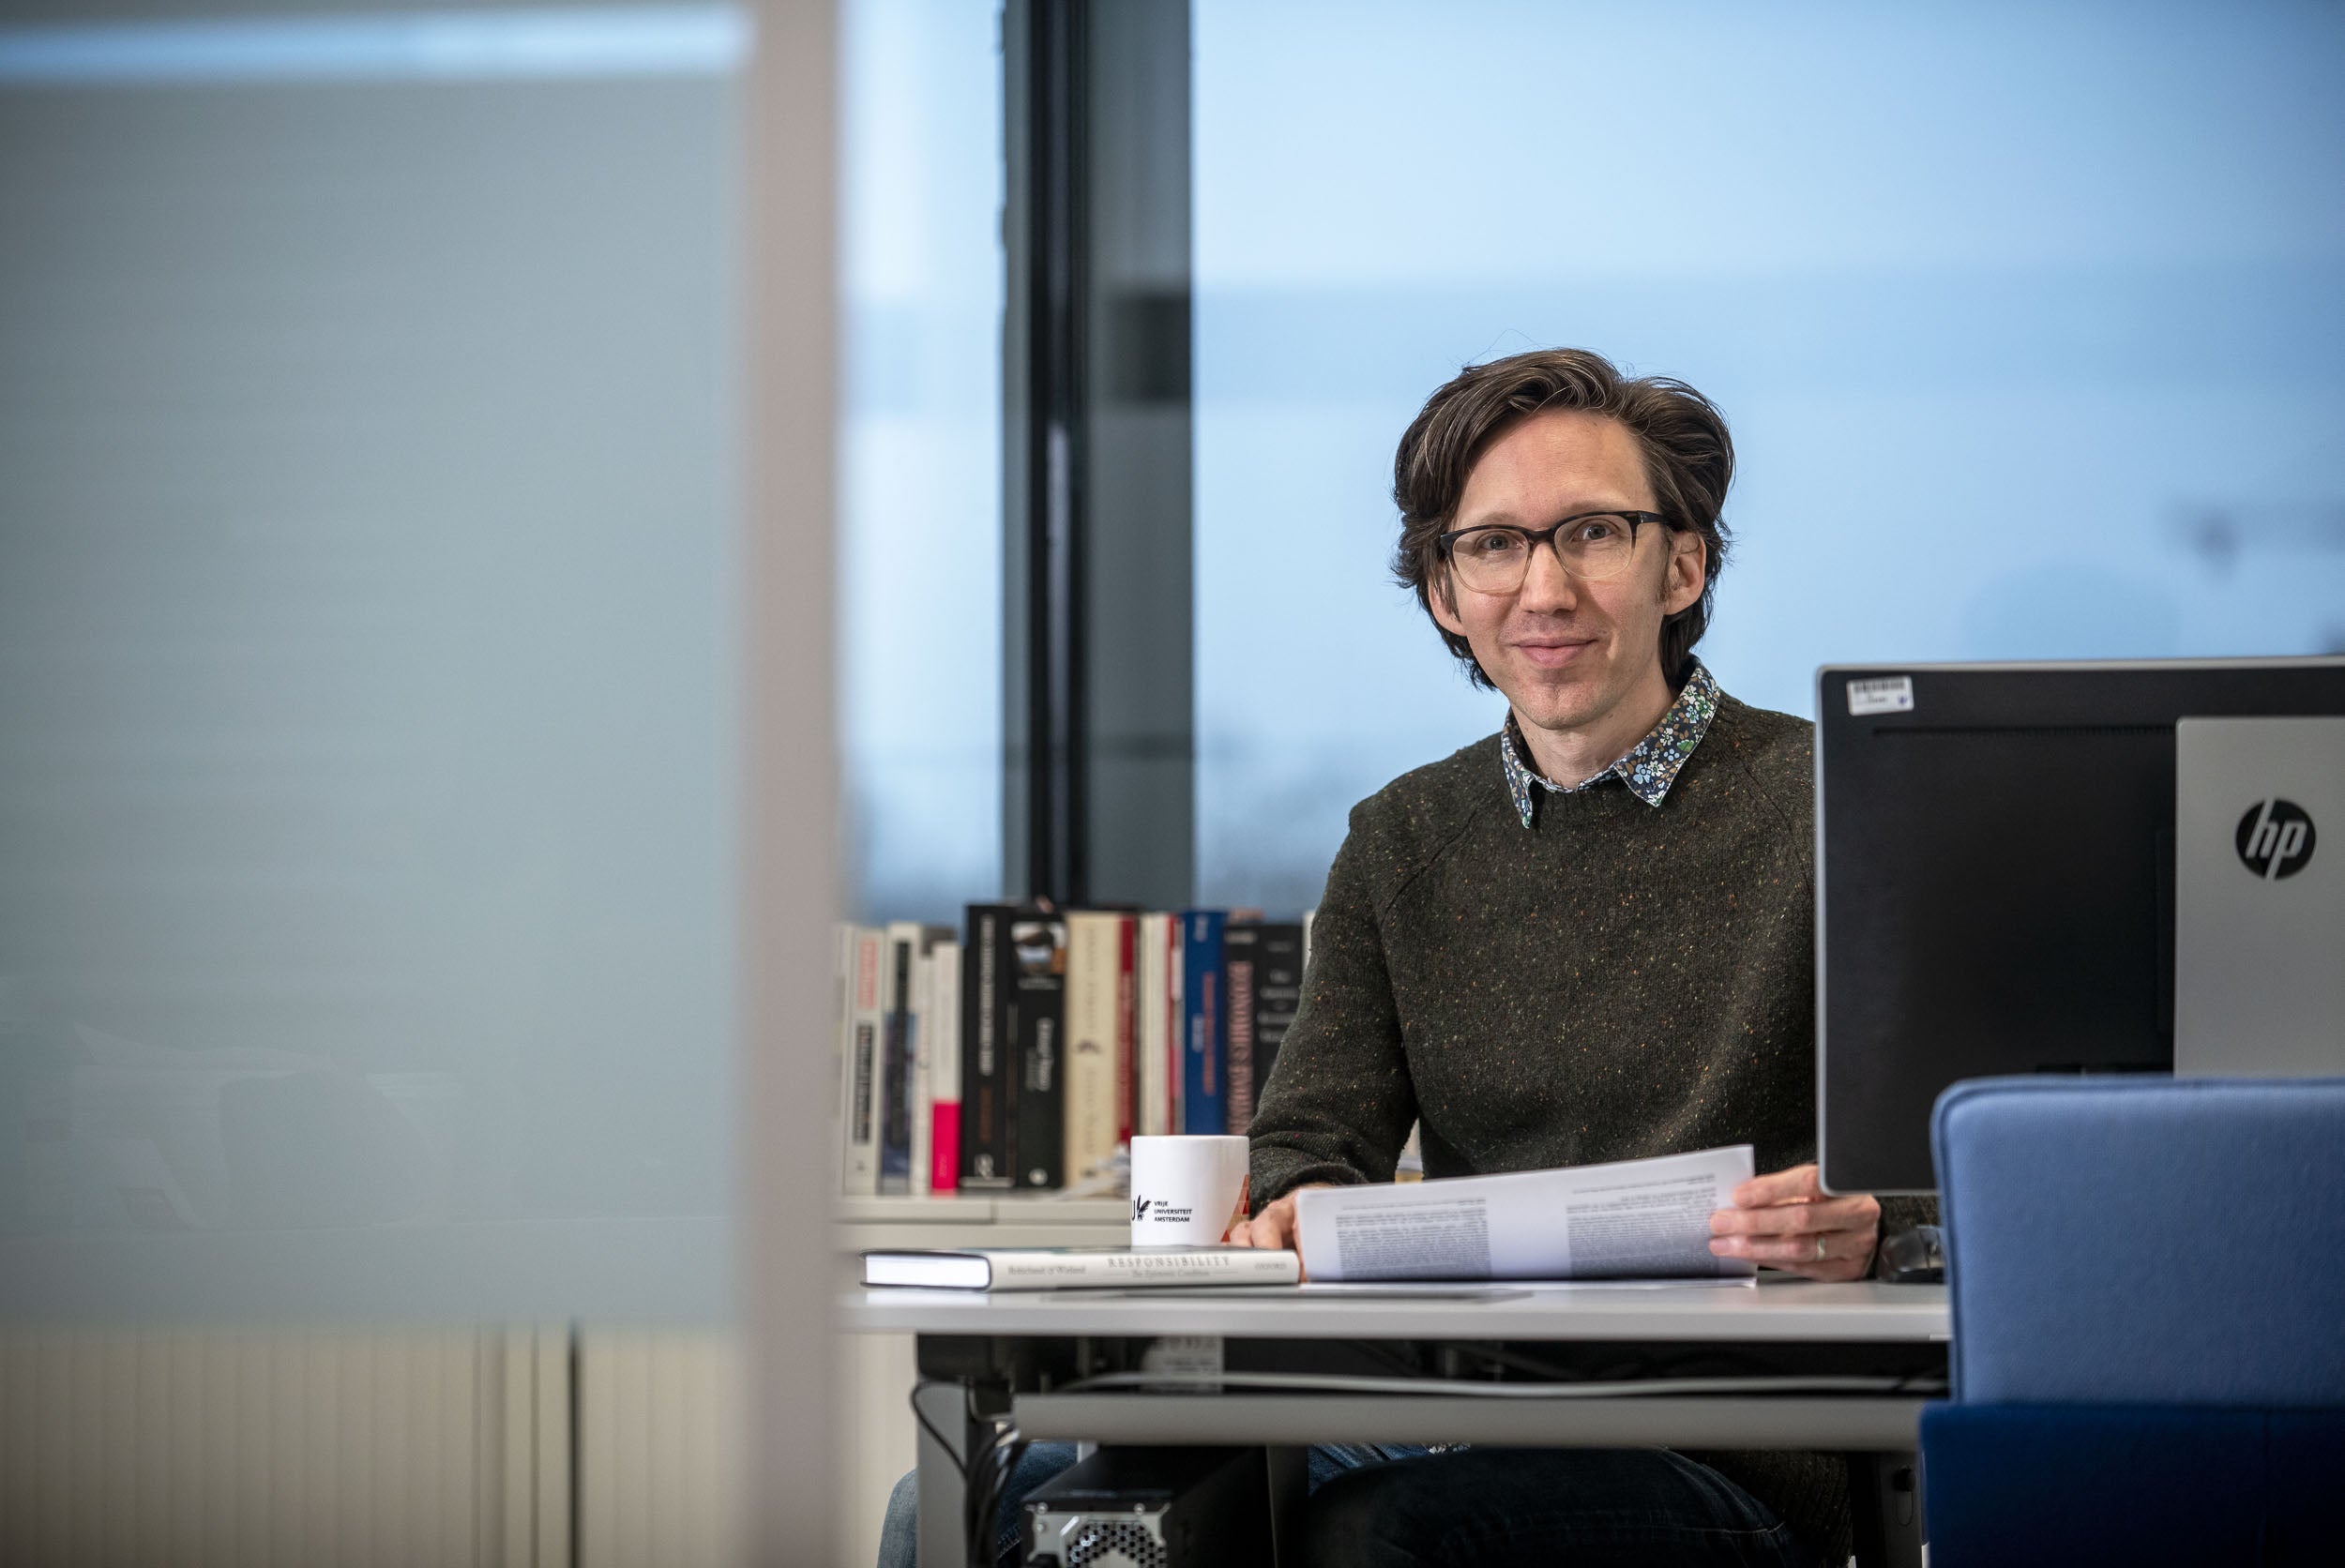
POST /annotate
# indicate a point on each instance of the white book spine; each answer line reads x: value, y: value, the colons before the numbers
x: 859, y: 1088
x: 1043, y: 1271
x: 1153, y: 1118
x: 1094, y: 958
x: 841, y: 1041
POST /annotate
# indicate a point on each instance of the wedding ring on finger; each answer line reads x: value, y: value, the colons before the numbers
x: 1819, y: 1247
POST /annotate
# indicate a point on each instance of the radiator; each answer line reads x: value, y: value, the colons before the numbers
x: 661, y: 1437
x: 252, y: 1449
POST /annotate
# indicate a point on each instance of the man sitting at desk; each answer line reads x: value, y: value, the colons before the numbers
x: 1589, y: 937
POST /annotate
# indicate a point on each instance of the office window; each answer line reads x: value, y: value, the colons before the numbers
x: 921, y: 544
x: 2030, y: 323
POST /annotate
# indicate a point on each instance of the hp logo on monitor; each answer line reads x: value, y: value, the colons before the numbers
x: 2275, y: 838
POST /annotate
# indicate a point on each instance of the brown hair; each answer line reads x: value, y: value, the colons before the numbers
x: 1688, y: 459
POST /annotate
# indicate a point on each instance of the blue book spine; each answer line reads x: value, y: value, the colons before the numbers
x: 1205, y: 1022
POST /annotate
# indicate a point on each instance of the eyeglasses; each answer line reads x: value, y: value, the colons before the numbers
x: 1594, y: 547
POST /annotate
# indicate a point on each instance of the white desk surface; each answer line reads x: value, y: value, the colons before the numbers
x: 1779, y: 1308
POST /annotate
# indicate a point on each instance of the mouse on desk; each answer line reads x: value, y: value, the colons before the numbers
x: 1915, y: 1257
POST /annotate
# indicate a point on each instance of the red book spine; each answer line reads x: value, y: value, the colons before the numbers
x: 945, y: 1147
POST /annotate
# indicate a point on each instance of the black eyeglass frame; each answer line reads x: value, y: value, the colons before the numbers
x: 1532, y: 539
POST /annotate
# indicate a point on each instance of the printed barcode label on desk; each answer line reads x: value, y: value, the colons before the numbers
x: 1887, y: 694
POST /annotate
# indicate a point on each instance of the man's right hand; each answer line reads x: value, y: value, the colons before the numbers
x: 1274, y: 1227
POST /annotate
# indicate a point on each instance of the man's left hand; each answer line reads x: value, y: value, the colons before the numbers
x: 1785, y: 1221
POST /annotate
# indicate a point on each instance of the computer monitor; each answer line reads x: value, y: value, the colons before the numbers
x: 1995, y: 879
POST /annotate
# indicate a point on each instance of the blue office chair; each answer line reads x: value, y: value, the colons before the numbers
x: 2148, y: 1285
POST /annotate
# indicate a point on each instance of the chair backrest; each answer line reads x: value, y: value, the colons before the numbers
x: 2145, y: 1240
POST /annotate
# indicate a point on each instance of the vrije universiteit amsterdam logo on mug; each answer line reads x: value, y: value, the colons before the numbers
x: 1185, y: 1188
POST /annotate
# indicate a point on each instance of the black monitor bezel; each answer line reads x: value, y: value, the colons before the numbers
x: 2141, y: 701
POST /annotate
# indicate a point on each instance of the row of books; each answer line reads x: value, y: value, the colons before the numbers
x: 1024, y: 1052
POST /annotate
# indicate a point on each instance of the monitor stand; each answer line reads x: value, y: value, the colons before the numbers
x: 2259, y: 897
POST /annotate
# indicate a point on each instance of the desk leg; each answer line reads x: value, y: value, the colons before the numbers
x: 944, y: 1407
x: 1884, y: 1494
x: 1290, y: 1493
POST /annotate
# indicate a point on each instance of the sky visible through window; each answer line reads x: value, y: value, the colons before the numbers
x: 920, y: 467
x: 2028, y: 321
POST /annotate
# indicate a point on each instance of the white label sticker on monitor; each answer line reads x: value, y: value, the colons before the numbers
x: 1889, y: 694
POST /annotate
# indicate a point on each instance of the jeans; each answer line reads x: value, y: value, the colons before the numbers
x: 1399, y: 1506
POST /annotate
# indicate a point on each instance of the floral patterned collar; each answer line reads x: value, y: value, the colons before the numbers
x: 1649, y: 768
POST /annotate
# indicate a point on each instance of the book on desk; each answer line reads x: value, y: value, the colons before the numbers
x: 1066, y: 1268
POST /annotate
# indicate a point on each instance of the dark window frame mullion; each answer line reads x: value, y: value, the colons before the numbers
x: 1056, y: 740
x: 1099, y: 757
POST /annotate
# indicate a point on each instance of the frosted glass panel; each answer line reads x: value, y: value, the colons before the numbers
x: 2030, y: 323
x: 367, y: 471
x: 920, y: 540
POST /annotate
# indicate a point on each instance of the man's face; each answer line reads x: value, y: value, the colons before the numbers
x: 1566, y: 653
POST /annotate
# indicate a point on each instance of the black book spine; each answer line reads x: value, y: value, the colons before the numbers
x: 1277, y: 993
x: 986, y: 1076
x: 1038, y: 1006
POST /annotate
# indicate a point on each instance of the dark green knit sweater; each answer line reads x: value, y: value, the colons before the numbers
x: 1619, y: 980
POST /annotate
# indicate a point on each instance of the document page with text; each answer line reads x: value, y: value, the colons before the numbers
x: 1636, y: 1219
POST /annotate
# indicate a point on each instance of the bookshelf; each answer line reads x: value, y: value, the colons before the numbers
x: 1069, y: 1032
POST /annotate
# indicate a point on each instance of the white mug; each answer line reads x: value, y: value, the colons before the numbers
x: 1185, y: 1188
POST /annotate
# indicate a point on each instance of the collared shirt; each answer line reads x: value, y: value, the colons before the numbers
x: 1648, y: 768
